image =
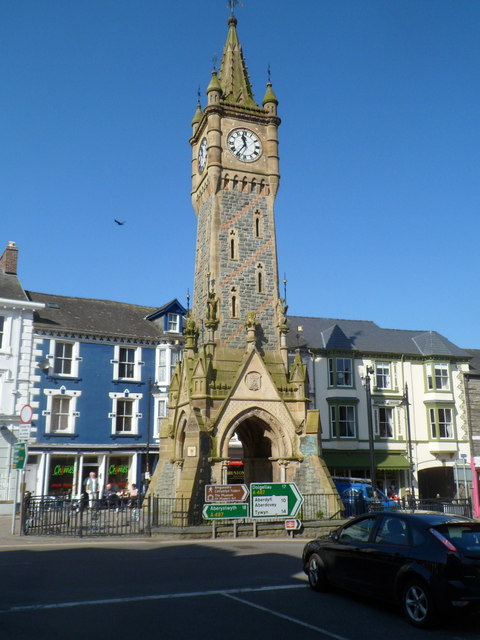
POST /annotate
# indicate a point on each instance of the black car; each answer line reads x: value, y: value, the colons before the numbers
x: 428, y: 562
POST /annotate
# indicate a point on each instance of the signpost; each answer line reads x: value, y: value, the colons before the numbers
x: 19, y: 455
x: 292, y: 525
x: 225, y: 511
x: 274, y: 500
x: 226, y: 492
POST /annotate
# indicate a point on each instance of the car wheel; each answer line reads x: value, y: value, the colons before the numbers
x: 316, y: 574
x: 417, y: 604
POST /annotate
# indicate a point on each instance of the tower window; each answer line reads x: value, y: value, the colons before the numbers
x: 233, y: 245
x: 258, y: 224
x: 234, y: 311
x: 260, y: 277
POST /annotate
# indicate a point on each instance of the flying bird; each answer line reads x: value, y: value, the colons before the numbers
x: 118, y: 222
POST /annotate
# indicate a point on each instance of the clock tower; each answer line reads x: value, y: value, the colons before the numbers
x: 235, y: 399
x: 235, y: 178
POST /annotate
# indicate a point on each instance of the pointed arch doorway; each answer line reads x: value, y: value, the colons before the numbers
x: 253, y: 445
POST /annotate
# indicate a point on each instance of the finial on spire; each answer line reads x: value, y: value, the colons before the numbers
x: 285, y: 287
x: 214, y: 62
x: 268, y: 74
x: 232, y: 4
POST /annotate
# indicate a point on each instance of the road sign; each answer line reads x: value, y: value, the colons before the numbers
x: 274, y: 500
x: 226, y: 492
x: 24, y: 432
x: 292, y: 525
x: 225, y: 511
x: 19, y: 455
x: 26, y: 413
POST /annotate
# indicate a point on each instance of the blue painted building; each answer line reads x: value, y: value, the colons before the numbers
x: 102, y: 372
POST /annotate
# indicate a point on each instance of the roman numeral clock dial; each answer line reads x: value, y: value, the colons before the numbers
x: 244, y: 145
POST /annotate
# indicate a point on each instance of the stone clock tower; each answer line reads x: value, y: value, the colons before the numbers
x: 235, y: 384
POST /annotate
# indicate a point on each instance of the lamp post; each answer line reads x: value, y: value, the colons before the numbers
x: 371, y: 445
x: 405, y: 402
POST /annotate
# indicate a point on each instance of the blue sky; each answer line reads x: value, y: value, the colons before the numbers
x: 378, y: 209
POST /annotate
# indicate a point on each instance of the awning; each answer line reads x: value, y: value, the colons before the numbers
x: 361, y: 460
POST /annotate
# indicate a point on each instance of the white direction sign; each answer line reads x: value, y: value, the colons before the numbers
x: 24, y: 432
x: 274, y: 500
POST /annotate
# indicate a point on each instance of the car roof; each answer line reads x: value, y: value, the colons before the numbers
x: 432, y: 518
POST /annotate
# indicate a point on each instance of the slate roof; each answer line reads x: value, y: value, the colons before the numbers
x: 474, y: 362
x: 366, y: 336
x: 95, y: 317
x: 10, y: 287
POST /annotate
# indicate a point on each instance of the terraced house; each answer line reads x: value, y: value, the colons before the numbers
x: 408, y: 384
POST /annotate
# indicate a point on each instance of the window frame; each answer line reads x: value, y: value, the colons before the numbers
x: 432, y: 378
x: 118, y: 363
x: 379, y: 422
x: 74, y: 359
x: 173, y: 322
x: 336, y: 421
x: 134, y: 400
x: 435, y: 424
x: 73, y: 414
x: 166, y: 363
x: 334, y: 372
x: 383, y: 365
x: 161, y: 414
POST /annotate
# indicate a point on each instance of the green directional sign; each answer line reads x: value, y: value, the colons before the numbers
x: 225, y: 511
x: 19, y: 455
x: 274, y: 500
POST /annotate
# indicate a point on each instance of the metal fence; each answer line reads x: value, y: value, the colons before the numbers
x: 460, y: 507
x: 51, y: 515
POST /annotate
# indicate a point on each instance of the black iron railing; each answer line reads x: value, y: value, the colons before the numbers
x: 51, y: 515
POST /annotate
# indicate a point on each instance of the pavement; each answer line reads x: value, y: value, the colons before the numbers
x: 9, y: 540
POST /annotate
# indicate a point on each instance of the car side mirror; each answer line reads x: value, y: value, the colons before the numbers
x: 334, y: 535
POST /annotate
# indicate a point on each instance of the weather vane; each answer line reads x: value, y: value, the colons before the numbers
x: 232, y: 4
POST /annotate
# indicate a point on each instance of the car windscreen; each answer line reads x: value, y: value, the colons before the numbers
x: 464, y: 536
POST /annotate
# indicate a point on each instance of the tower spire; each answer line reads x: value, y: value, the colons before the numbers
x: 233, y: 73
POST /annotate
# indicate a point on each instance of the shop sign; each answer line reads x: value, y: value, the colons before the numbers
x: 63, y: 469
x: 115, y: 469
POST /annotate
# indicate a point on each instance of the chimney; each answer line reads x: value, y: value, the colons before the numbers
x: 8, y: 261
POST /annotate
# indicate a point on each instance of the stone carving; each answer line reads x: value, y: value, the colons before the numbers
x: 253, y: 380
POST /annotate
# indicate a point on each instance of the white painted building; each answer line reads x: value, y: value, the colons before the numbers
x: 16, y: 379
x: 430, y: 437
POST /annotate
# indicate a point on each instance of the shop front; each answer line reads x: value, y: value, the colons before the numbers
x: 60, y: 473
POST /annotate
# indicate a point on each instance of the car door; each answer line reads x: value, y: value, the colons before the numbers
x: 389, y: 549
x: 344, y: 557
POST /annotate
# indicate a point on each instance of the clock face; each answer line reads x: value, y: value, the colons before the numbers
x: 244, y: 145
x: 202, y: 155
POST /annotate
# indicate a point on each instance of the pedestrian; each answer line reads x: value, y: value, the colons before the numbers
x: 91, y: 487
x: 133, y: 494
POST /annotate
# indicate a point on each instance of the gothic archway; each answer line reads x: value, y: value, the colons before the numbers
x: 263, y: 444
